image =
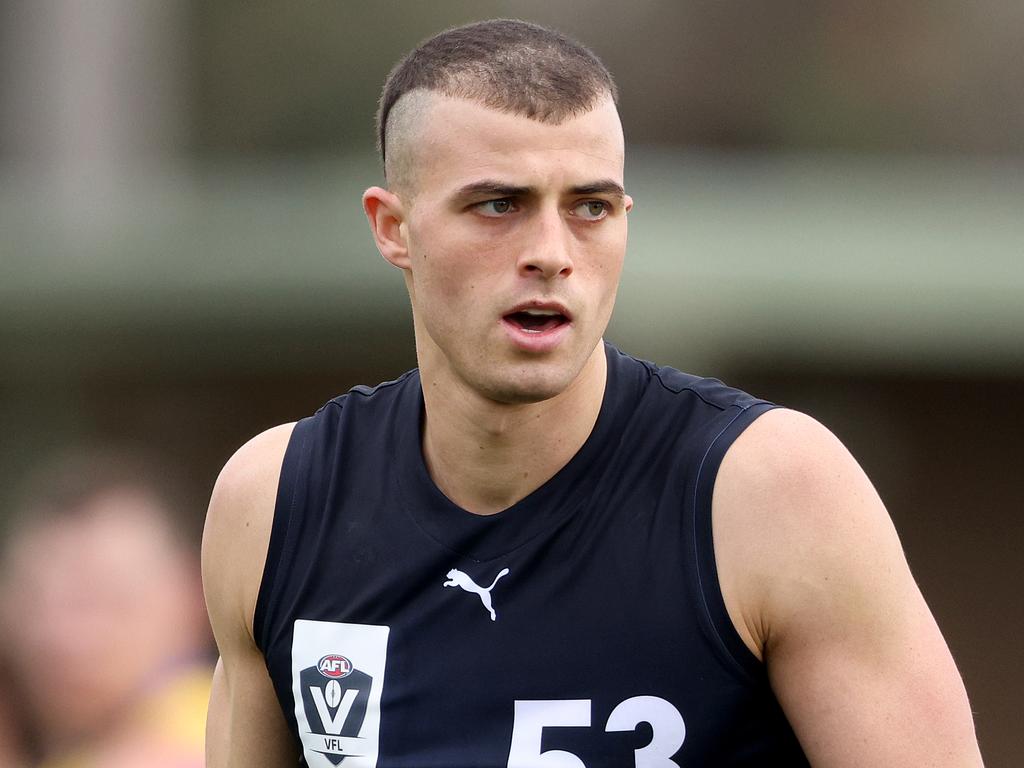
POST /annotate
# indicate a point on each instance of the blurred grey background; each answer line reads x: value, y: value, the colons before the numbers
x: 830, y: 213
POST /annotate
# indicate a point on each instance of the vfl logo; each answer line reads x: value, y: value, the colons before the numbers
x: 457, y: 578
x: 334, y: 697
x: 337, y: 696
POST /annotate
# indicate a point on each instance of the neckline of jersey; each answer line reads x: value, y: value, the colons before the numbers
x: 483, y: 538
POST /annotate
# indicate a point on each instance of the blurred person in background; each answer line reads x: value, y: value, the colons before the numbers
x: 13, y: 753
x: 105, y: 631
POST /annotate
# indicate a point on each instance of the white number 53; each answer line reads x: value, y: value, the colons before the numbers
x: 533, y: 716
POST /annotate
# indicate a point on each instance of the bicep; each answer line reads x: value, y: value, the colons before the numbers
x: 863, y: 673
x: 814, y: 575
x: 245, y: 726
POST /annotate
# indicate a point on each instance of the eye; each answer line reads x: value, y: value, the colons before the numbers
x: 495, y: 208
x: 592, y: 210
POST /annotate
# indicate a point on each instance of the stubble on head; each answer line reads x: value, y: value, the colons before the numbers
x: 505, y: 64
x: 404, y: 139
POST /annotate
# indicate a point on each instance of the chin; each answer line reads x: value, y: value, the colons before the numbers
x: 521, y: 387
x: 522, y: 396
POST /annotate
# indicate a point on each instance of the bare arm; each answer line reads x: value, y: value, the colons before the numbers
x: 245, y: 726
x: 815, y: 580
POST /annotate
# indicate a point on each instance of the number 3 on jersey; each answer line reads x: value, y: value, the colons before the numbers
x: 533, y: 716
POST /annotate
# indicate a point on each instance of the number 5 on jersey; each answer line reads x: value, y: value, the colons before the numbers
x: 532, y: 716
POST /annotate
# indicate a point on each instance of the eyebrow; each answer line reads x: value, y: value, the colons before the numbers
x: 492, y: 188
x: 602, y: 187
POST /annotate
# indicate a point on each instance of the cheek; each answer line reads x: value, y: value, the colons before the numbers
x: 451, y: 267
x: 617, y: 251
x: 612, y: 255
x: 434, y: 281
x: 605, y: 257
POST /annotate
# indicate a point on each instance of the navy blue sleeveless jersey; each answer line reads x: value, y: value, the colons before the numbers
x: 583, y: 627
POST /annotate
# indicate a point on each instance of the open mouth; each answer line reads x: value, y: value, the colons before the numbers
x: 536, y: 320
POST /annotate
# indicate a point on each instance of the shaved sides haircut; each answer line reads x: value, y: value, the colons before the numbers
x: 509, y: 65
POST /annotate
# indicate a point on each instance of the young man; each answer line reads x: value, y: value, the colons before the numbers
x: 535, y: 550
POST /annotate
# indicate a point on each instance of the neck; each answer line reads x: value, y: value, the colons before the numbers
x: 485, y: 456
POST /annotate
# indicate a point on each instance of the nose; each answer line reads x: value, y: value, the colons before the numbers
x: 548, y: 253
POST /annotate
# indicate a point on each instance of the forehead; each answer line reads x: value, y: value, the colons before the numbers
x: 461, y: 141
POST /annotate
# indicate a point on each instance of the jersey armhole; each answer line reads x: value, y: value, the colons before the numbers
x: 293, y: 466
x: 725, y: 634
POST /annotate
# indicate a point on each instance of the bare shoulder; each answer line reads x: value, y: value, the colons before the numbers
x: 787, y: 490
x: 796, y: 521
x: 246, y: 473
x: 815, y: 580
x: 785, y: 451
x: 245, y: 725
x: 238, y: 525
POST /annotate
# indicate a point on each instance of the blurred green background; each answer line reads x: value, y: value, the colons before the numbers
x: 830, y: 213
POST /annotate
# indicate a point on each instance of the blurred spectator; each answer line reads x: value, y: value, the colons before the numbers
x: 12, y: 741
x: 105, y: 630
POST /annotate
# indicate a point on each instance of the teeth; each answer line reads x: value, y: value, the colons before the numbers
x: 541, y: 312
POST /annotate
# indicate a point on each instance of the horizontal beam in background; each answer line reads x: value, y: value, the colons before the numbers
x: 886, y: 262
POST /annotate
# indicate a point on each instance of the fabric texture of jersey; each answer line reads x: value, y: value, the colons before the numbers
x: 585, y: 623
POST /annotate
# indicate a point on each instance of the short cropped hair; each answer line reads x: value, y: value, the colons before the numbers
x: 505, y: 64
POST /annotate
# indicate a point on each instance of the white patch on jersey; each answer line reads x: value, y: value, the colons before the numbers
x: 457, y: 578
x: 338, y: 717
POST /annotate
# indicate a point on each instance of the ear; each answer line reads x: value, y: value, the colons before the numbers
x: 628, y: 203
x: 386, y: 215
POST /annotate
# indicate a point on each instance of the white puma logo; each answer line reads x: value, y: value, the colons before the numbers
x: 457, y: 578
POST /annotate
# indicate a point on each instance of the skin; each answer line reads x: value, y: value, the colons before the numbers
x: 470, y: 251
x: 245, y: 725
x: 816, y: 583
x: 501, y: 210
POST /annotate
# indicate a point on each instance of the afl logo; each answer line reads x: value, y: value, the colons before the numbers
x: 334, y: 666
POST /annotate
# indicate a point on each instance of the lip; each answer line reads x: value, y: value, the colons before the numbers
x: 537, y: 341
x: 550, y: 306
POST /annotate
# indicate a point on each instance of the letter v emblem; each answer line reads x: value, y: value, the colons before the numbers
x: 333, y: 725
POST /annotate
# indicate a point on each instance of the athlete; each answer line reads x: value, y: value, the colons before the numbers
x: 535, y: 550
